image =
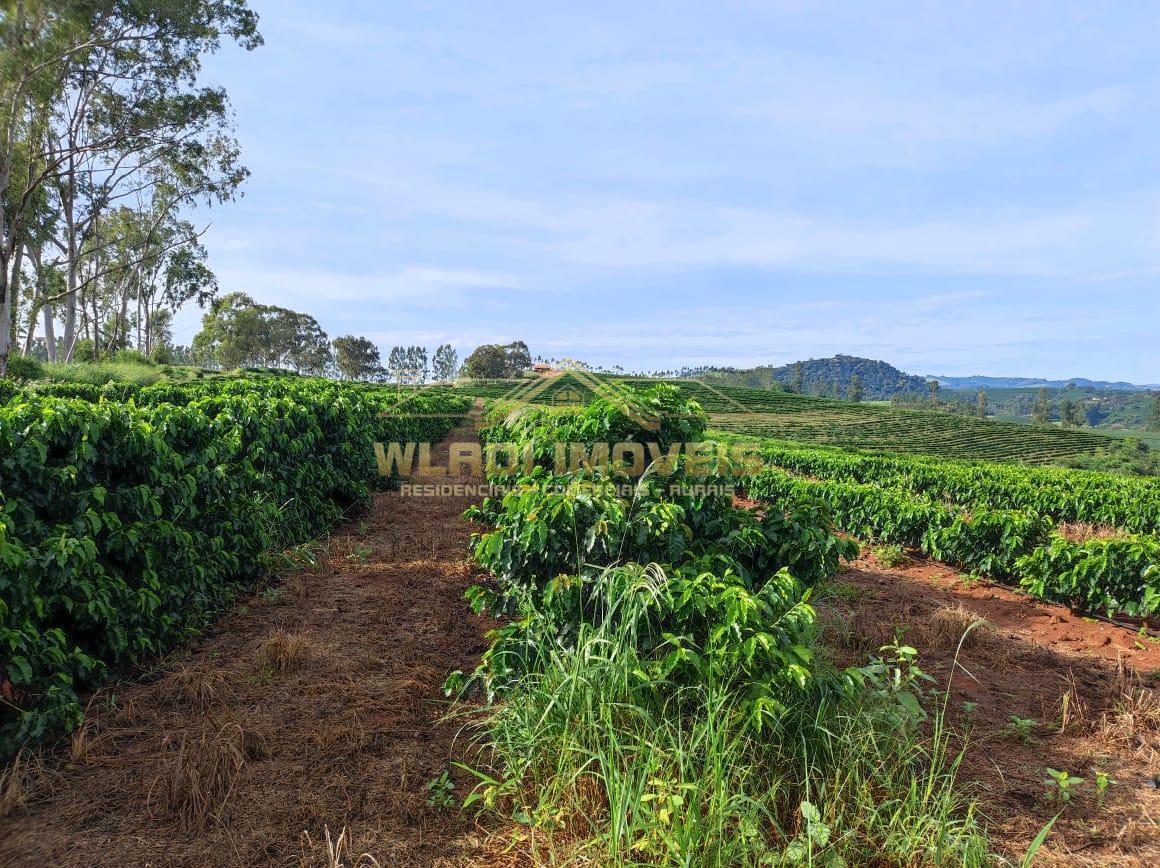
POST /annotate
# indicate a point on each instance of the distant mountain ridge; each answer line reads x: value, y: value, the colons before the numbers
x: 829, y: 377
x: 981, y: 382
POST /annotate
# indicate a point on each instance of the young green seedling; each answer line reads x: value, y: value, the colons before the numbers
x: 1060, y: 786
x: 1102, y: 781
x: 1022, y: 727
x: 441, y: 791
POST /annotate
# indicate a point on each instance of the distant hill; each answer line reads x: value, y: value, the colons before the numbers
x: 979, y: 382
x: 880, y: 380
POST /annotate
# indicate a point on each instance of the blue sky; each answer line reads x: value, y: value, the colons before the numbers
x: 955, y: 188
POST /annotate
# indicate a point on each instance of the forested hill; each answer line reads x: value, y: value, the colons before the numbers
x: 879, y: 380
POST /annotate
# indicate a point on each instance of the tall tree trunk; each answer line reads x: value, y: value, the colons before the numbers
x: 6, y: 233
x: 33, y: 313
x: 147, y: 313
x: 5, y: 320
x: 10, y: 288
x: 73, y: 255
x: 34, y: 256
x: 45, y: 309
x: 121, y: 327
x: 49, y: 331
x: 70, y: 315
x: 96, y: 327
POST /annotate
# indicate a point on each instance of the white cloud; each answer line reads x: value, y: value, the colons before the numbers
x: 1088, y: 236
x: 342, y: 302
x: 311, y: 289
x: 1068, y: 243
x: 872, y: 119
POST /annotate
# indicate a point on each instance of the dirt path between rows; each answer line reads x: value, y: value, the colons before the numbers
x: 1033, y: 687
x: 311, y: 707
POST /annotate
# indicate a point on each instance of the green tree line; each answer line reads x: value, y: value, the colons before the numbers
x: 107, y: 140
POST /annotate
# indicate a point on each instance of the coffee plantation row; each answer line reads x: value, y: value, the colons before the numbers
x: 988, y: 517
x: 1127, y: 503
x: 551, y: 541
x: 825, y: 421
x: 996, y: 520
x: 919, y: 432
x: 129, y: 515
x: 658, y: 688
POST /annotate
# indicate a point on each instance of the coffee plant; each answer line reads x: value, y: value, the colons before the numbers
x: 1019, y: 545
x: 125, y: 524
x: 696, y: 587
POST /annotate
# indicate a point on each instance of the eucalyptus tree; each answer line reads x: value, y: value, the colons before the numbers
x: 308, y: 347
x: 1041, y: 411
x: 238, y: 331
x: 445, y: 363
x: 417, y: 364
x: 856, y: 392
x: 232, y: 332
x: 154, y: 262
x: 407, y: 364
x: 357, y: 358
x: 396, y: 363
x: 932, y: 390
x: 99, y: 104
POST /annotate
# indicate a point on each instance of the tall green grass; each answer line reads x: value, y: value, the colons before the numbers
x: 99, y: 373
x: 597, y: 765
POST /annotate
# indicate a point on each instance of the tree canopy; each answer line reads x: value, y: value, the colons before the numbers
x: 106, y: 138
x: 237, y: 332
x: 357, y: 358
x: 494, y: 361
x: 1153, y: 423
x: 445, y: 363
